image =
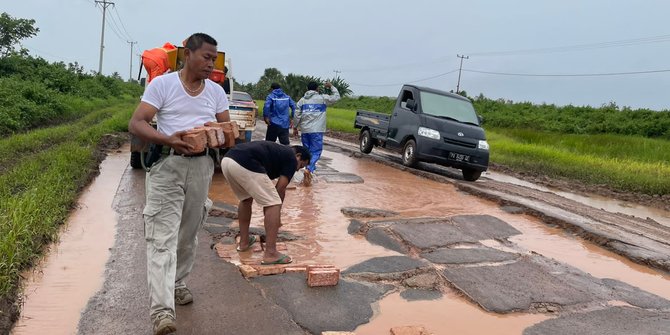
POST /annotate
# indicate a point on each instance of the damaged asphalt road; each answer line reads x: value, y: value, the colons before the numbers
x: 473, y: 255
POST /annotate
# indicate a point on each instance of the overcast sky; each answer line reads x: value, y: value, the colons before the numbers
x: 378, y: 45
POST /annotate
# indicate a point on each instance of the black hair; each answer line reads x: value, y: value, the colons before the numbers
x: 312, y: 86
x: 305, y: 155
x: 195, y: 41
x: 275, y: 86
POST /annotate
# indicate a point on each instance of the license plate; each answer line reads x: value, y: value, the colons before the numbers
x: 459, y: 157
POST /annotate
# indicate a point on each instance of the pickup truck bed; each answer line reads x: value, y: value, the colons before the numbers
x: 378, y: 123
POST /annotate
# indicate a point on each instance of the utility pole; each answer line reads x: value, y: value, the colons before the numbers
x: 458, y: 85
x: 105, y: 4
x: 337, y: 72
x: 130, y: 78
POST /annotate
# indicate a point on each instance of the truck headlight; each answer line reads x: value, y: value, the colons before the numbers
x: 430, y: 133
x: 483, y: 145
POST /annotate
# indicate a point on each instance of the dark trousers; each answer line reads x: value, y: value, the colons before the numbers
x: 274, y: 132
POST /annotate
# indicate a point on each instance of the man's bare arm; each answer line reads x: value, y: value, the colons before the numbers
x: 281, y: 186
x: 140, y: 126
x: 223, y: 116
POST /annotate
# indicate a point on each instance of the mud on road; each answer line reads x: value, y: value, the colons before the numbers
x: 421, y: 247
x: 643, y: 240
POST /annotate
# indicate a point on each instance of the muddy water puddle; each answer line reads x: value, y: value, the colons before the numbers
x: 59, y: 287
x: 314, y: 214
x: 595, y: 201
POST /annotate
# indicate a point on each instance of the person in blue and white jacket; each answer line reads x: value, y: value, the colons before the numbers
x: 278, y: 115
x: 310, y: 119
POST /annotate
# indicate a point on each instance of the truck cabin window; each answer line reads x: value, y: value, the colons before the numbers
x: 406, y: 95
x: 445, y: 106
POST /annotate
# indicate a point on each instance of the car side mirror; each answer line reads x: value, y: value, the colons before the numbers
x: 410, y: 104
x: 480, y: 118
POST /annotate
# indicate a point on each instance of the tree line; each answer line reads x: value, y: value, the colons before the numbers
x: 294, y: 85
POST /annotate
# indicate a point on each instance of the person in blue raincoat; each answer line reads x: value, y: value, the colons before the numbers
x: 310, y: 120
x: 278, y: 115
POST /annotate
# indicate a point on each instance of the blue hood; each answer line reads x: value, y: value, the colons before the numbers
x: 279, y: 107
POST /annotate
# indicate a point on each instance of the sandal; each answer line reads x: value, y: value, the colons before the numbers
x: 283, y: 259
x: 252, y: 240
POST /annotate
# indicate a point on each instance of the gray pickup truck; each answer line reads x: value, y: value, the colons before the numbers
x: 431, y: 126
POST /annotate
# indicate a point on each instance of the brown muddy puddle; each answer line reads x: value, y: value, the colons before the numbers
x: 57, y: 289
x: 314, y: 213
x: 593, y: 200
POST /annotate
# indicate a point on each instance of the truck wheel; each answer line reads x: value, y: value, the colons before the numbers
x: 409, y: 154
x: 471, y: 174
x: 366, y: 142
x: 135, y: 160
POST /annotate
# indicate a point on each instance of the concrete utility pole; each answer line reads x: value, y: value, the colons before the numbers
x: 337, y: 72
x: 458, y: 85
x: 105, y: 4
x: 130, y: 77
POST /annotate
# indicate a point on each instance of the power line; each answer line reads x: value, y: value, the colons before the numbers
x: 105, y: 4
x: 458, y: 85
x: 122, y: 25
x: 115, y: 29
x: 397, y: 66
x: 132, y: 43
x: 522, y: 75
x: 568, y: 75
x: 408, y: 82
x: 567, y: 48
x: 579, y: 47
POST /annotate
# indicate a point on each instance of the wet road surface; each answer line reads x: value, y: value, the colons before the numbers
x: 227, y: 303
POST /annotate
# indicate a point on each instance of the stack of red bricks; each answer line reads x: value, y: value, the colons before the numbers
x: 213, y: 135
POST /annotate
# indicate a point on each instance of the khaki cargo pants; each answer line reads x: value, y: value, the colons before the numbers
x: 177, y: 205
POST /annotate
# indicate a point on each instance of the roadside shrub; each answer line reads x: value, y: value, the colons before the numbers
x: 36, y: 93
x: 375, y: 104
x: 607, y: 119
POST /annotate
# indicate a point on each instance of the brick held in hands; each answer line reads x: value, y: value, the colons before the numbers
x: 197, y: 138
x: 212, y: 139
x: 230, y: 131
x: 323, y: 277
x: 220, y: 137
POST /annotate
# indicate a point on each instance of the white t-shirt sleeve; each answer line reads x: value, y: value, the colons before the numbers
x: 155, y: 93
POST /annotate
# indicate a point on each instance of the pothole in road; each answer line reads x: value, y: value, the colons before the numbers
x: 466, y: 251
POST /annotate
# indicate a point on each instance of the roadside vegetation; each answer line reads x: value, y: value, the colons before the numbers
x: 626, y: 150
x: 53, y: 117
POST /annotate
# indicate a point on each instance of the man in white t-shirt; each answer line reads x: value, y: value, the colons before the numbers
x: 178, y: 184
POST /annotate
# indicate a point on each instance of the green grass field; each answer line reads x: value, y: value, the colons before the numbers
x: 624, y: 163
x: 339, y: 119
x: 41, y: 173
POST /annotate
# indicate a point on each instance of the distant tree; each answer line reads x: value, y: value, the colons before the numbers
x: 12, y: 31
x: 341, y: 85
x: 262, y: 87
x: 296, y: 85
